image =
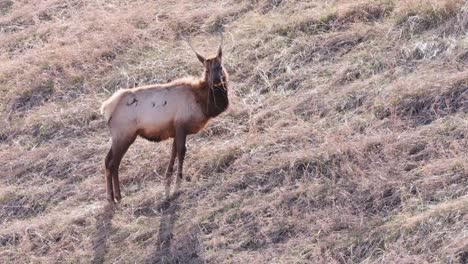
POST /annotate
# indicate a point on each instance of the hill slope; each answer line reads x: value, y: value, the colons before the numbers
x: 345, y: 142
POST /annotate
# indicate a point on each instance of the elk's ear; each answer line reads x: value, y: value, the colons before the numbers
x: 201, y: 58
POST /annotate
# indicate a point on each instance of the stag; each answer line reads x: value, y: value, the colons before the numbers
x: 162, y: 111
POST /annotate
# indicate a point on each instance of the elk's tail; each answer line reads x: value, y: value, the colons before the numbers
x: 108, y: 106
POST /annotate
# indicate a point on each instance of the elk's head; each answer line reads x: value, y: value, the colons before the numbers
x: 215, y: 75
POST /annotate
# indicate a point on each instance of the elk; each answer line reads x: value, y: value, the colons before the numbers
x: 162, y: 111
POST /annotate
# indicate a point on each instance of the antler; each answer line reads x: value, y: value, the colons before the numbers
x: 220, y: 44
x: 221, y: 39
x: 200, y: 57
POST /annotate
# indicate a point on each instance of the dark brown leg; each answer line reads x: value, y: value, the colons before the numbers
x: 119, y: 150
x: 181, y: 137
x: 110, y: 193
x: 170, y: 167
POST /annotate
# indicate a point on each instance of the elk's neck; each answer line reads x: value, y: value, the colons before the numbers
x: 217, y: 100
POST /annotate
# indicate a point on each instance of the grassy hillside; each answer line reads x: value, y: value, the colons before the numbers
x: 346, y: 140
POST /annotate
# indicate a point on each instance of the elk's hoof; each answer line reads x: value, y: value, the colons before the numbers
x: 110, y: 199
x: 188, y: 179
x: 118, y: 198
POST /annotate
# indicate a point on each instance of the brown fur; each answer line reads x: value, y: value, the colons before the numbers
x: 212, y: 101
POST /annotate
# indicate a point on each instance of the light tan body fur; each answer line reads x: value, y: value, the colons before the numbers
x: 152, y: 111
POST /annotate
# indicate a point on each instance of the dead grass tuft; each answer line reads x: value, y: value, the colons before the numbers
x: 366, y: 12
x: 415, y: 17
x: 425, y: 105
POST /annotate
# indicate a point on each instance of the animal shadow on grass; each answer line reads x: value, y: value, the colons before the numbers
x: 103, y: 229
x: 171, y: 249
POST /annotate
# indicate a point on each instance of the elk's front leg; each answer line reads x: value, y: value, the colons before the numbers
x: 170, y: 167
x: 181, y: 137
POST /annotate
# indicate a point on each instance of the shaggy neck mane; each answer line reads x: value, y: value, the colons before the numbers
x: 213, y: 97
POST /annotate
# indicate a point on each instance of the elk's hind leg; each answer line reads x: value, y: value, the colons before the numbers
x: 110, y: 193
x: 119, y: 148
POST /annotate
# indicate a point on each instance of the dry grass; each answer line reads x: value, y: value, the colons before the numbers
x: 345, y: 141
